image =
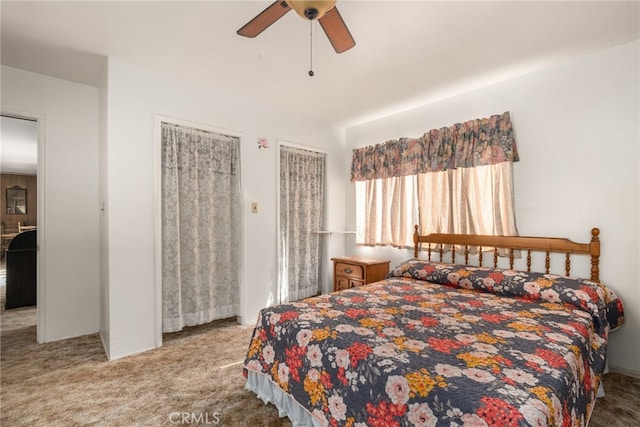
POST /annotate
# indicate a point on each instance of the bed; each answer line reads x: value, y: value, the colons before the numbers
x: 444, y: 343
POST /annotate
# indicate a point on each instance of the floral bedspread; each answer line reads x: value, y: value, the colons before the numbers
x: 441, y: 344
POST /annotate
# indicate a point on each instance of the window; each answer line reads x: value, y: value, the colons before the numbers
x: 469, y: 201
x: 451, y: 180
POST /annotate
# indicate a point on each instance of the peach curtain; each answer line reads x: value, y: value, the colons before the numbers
x: 451, y: 180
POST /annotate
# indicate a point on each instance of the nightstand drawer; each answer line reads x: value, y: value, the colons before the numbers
x: 349, y: 270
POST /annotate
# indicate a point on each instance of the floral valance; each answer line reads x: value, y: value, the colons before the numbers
x: 473, y: 143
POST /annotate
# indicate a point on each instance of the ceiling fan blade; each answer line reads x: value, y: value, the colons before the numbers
x: 337, y: 31
x: 264, y: 19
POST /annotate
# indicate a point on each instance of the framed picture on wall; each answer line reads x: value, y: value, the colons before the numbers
x: 16, y: 200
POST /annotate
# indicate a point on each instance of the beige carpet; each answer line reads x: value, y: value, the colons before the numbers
x: 196, y: 373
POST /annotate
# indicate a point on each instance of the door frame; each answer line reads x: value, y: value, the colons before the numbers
x: 41, y: 288
x: 157, y: 222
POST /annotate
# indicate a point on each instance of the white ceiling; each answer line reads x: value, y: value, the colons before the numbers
x: 407, y: 53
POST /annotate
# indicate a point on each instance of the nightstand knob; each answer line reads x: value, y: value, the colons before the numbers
x: 348, y: 270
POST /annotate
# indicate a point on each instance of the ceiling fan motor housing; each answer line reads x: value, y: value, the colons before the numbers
x: 311, y: 9
x: 311, y: 13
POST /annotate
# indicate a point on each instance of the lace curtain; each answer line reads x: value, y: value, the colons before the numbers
x: 302, y: 177
x: 201, y: 226
x: 456, y: 179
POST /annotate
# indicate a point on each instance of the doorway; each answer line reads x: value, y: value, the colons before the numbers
x: 21, y: 213
x: 197, y: 214
x: 301, y: 217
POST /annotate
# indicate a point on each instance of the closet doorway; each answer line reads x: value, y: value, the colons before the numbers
x: 201, y: 214
x: 302, y: 213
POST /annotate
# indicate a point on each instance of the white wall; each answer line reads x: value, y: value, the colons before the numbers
x: 70, y: 232
x: 135, y: 96
x: 577, y: 128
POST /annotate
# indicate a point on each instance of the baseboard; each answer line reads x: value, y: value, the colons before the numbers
x: 251, y: 322
x: 624, y: 371
x: 104, y: 344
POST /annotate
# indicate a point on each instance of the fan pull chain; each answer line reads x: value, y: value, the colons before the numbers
x: 311, y: 73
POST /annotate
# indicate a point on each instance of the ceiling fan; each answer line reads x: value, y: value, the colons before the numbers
x: 324, y: 11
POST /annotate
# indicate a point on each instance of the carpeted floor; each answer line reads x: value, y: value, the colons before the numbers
x: 196, y: 375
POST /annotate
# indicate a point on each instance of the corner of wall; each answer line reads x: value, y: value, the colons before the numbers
x: 103, y: 112
x: 104, y: 338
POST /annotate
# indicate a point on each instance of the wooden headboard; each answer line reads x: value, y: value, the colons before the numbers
x: 509, y: 244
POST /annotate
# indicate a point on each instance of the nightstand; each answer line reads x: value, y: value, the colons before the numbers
x: 349, y: 272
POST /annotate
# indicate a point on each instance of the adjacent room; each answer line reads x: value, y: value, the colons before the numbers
x: 18, y: 211
x: 312, y: 213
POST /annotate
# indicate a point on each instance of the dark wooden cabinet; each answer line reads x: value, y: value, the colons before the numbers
x: 21, y: 270
x: 349, y: 272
